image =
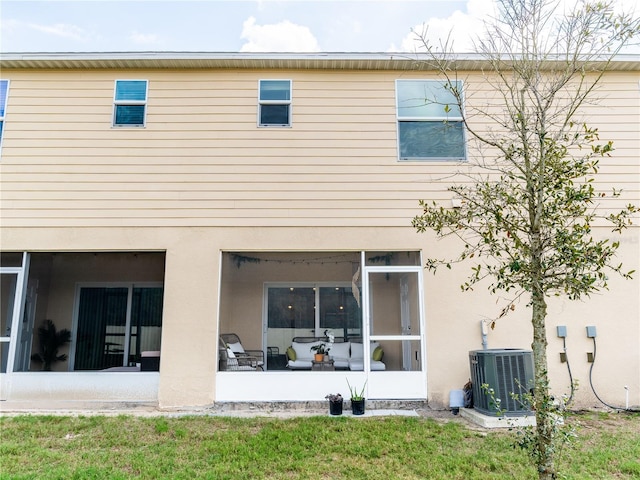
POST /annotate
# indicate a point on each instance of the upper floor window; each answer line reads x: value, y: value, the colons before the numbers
x: 274, y: 103
x: 429, y: 121
x: 4, y: 90
x: 130, y: 103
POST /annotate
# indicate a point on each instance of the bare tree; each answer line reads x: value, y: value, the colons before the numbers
x: 528, y: 202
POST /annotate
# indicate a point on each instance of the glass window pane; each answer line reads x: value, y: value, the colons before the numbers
x: 129, y: 115
x: 421, y: 98
x: 146, y: 321
x: 436, y: 139
x: 291, y: 307
x: 275, y: 90
x: 339, y: 312
x: 4, y: 85
x: 274, y: 115
x: 131, y: 90
x: 101, y: 328
x: 11, y: 259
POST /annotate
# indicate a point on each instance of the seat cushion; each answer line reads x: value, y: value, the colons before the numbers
x: 299, y: 364
x: 358, y: 365
x: 340, y: 351
x: 341, y: 363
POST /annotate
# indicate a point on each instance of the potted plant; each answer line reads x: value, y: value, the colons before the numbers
x: 357, y: 399
x: 50, y: 341
x: 321, y: 350
x: 335, y: 403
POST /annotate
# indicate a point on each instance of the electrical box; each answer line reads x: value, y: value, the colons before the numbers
x: 562, y: 331
x: 591, y: 331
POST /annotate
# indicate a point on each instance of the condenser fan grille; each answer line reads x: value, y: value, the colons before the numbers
x: 505, y: 372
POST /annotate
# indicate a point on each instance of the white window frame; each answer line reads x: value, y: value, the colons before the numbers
x: 437, y: 118
x: 3, y: 115
x: 117, y: 103
x: 262, y: 102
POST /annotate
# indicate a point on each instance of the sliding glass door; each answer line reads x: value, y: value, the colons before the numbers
x: 115, y: 324
x: 308, y: 310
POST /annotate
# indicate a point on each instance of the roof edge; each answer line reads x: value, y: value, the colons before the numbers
x: 316, y: 60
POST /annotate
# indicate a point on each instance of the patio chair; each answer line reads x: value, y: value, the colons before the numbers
x: 233, y: 356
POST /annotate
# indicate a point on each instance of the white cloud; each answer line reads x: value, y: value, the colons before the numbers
x: 280, y: 37
x: 461, y: 27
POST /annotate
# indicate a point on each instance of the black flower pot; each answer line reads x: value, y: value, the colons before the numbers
x: 357, y: 407
x: 335, y: 408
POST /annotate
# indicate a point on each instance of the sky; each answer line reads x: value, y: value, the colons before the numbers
x: 238, y: 25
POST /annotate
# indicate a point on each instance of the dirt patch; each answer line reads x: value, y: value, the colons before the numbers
x: 610, y: 422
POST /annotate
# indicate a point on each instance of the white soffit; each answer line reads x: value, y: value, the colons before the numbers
x: 295, y: 61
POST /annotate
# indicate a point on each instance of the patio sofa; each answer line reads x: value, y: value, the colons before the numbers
x: 347, y: 355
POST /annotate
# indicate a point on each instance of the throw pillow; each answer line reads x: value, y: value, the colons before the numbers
x: 378, y: 353
x: 291, y: 354
x: 236, y: 347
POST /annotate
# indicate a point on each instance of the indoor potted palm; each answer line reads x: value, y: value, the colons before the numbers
x: 51, y: 340
x: 357, y: 399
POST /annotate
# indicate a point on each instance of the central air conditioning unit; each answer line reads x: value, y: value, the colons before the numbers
x: 506, y: 371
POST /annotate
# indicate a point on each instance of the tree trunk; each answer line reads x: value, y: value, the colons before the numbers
x: 543, y: 449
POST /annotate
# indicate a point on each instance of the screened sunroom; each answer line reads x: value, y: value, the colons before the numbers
x: 366, y: 308
x: 110, y: 303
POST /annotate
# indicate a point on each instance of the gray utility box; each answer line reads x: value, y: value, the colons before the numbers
x: 506, y: 371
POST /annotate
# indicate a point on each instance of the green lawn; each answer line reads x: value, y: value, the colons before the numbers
x: 127, y: 447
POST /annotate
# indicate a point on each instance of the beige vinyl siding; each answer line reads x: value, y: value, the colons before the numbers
x: 201, y: 160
